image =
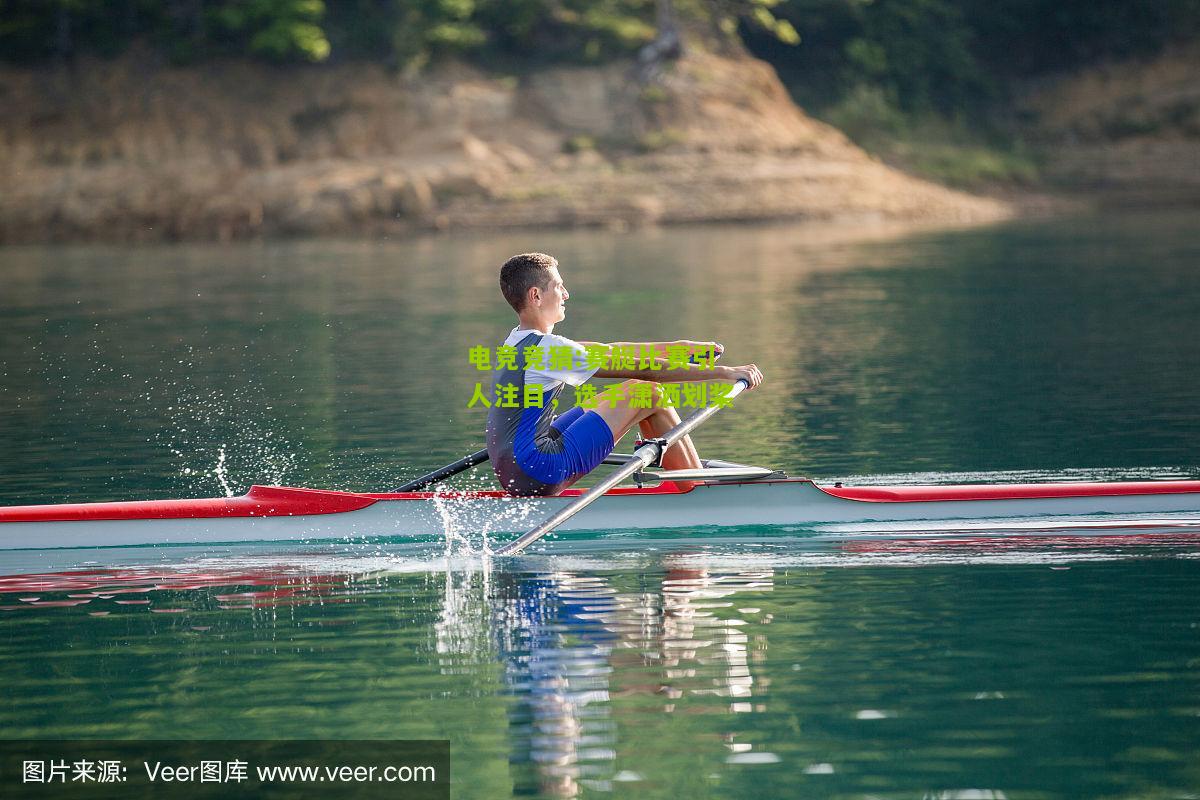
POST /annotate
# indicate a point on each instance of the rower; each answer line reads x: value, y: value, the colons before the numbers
x: 535, y: 453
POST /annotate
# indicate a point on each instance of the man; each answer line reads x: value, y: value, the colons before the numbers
x: 536, y: 454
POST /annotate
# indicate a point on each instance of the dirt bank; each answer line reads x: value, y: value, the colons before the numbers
x: 1125, y: 132
x: 123, y: 151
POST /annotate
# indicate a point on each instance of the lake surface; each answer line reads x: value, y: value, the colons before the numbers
x: 750, y: 664
x: 1058, y: 346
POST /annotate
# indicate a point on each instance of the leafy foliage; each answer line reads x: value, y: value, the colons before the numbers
x: 277, y: 29
x: 947, y: 56
x: 404, y: 33
x: 922, y: 55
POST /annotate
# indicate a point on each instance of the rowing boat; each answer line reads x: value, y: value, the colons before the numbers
x: 727, y: 495
x: 719, y: 494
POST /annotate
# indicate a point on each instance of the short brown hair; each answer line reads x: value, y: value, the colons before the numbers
x: 522, y: 272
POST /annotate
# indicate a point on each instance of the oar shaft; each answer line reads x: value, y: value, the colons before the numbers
x: 593, y: 494
x: 462, y: 465
x: 642, y: 458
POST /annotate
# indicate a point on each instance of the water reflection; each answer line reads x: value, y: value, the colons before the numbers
x: 690, y: 636
x: 562, y: 636
x: 270, y: 587
x: 1053, y: 668
x: 556, y: 652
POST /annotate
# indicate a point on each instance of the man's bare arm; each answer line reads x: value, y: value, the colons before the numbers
x: 660, y: 348
x: 749, y: 373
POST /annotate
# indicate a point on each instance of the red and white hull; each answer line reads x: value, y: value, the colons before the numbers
x: 283, y: 514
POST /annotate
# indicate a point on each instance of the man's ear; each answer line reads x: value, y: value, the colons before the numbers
x: 533, y: 295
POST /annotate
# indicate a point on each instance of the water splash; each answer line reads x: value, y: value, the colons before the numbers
x: 222, y: 473
x: 471, y: 519
x: 461, y: 630
x: 457, y: 540
x: 217, y: 441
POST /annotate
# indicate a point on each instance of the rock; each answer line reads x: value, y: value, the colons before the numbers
x: 645, y: 209
x: 416, y: 199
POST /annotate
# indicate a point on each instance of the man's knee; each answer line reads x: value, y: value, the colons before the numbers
x: 637, y: 392
x: 653, y: 387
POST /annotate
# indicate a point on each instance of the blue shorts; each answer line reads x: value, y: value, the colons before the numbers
x: 585, y: 441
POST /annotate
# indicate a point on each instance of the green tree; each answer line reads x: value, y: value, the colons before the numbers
x: 277, y: 29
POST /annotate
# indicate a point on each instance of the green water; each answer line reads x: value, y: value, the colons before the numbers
x: 745, y: 665
x: 674, y: 675
x: 1048, y: 346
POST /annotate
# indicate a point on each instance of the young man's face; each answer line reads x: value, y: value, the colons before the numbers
x: 554, y: 298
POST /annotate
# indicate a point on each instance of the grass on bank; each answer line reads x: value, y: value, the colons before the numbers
x: 949, y: 151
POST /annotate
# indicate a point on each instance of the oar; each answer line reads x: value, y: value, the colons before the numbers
x: 645, y: 455
x: 450, y: 470
x: 475, y: 459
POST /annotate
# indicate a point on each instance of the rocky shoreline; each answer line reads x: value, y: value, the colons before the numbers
x: 122, y: 151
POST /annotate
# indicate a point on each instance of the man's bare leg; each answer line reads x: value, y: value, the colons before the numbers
x: 681, y: 455
x: 652, y: 422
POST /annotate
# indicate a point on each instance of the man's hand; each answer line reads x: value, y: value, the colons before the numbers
x: 701, y: 347
x: 750, y: 373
